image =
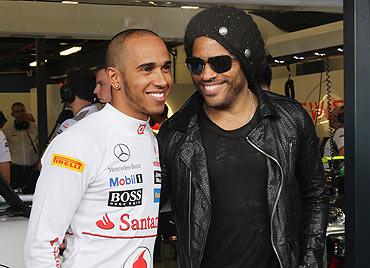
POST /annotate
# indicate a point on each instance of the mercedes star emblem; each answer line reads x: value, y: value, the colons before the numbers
x: 122, y: 152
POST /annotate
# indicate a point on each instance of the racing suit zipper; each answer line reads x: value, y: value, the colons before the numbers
x: 189, y: 220
x: 278, y: 195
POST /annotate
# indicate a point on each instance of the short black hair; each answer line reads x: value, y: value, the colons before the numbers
x: 17, y: 104
x: 82, y: 82
x: 100, y: 67
x: 114, y: 53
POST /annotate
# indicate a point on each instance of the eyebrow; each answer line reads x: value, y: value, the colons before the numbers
x: 151, y: 65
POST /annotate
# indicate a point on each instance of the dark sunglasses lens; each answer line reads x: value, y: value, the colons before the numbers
x: 220, y: 64
x: 195, y: 65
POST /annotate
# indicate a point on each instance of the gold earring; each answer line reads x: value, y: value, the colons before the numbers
x: 116, y: 86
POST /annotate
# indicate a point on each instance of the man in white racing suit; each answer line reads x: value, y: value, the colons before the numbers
x: 100, y: 180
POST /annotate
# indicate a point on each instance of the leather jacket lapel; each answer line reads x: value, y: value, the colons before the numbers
x: 193, y: 155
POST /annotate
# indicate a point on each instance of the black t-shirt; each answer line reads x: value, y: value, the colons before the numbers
x: 239, y: 233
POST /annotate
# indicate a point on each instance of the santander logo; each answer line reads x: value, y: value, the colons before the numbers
x: 139, y: 258
x: 140, y: 261
x: 105, y: 223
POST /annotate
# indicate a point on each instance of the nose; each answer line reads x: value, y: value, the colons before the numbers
x: 162, y: 79
x: 96, y: 90
x: 208, y: 73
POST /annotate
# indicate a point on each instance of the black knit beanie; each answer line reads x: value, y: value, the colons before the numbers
x: 82, y: 81
x: 236, y: 31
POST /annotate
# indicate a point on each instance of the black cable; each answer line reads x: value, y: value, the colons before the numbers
x: 329, y: 105
x: 2, y: 265
x: 319, y: 99
x: 289, y: 85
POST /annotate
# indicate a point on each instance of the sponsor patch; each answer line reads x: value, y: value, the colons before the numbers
x: 129, y: 198
x: 157, y: 177
x: 67, y: 162
x: 156, y: 164
x: 122, y: 152
x: 105, y: 223
x: 126, y: 180
x: 157, y: 195
x: 141, y: 129
x: 140, y: 258
x: 131, y: 223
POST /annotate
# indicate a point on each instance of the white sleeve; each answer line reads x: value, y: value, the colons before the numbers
x: 4, y: 149
x: 68, y: 166
x: 339, y: 138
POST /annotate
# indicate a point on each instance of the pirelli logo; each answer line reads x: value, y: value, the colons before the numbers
x: 67, y: 162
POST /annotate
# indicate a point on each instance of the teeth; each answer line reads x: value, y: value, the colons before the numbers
x: 157, y: 95
x: 212, y: 87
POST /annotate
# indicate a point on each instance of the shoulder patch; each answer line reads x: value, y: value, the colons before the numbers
x: 67, y: 162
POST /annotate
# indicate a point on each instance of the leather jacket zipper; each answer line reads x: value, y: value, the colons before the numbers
x: 278, y: 195
x: 189, y: 220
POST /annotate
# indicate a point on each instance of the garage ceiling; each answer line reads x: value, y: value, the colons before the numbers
x: 18, y: 50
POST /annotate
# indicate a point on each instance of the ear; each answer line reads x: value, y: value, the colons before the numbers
x: 114, y: 78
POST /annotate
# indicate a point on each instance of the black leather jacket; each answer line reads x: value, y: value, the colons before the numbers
x: 297, y: 199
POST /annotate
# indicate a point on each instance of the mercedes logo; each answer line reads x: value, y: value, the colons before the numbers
x: 122, y: 152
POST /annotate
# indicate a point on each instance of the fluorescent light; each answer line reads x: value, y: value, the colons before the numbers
x: 340, y: 49
x: 69, y: 51
x: 298, y: 58
x: 152, y: 3
x: 279, y: 61
x: 70, y: 2
x: 34, y: 63
x: 319, y: 54
x: 189, y: 7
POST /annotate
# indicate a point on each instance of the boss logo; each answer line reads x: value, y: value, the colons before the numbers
x: 129, y: 198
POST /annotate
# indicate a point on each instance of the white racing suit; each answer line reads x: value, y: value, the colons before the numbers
x: 100, y: 184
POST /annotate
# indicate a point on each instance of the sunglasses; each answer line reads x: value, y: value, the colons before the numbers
x: 219, y: 64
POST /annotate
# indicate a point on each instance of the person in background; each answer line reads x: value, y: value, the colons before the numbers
x: 23, y: 144
x: 100, y: 180
x: 102, y: 88
x: 78, y: 94
x: 4, y: 151
x: 264, y: 80
x: 337, y: 123
x: 241, y: 165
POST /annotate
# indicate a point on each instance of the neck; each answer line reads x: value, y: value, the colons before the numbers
x: 124, y: 105
x: 237, y: 115
x: 79, y: 104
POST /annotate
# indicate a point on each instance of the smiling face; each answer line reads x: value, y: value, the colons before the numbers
x: 145, y: 77
x: 219, y: 90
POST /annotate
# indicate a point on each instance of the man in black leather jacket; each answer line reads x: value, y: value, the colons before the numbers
x: 240, y: 165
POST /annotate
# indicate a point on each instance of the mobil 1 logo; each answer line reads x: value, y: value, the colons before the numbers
x: 128, y: 198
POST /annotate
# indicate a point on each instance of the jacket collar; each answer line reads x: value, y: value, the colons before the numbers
x: 182, y: 120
